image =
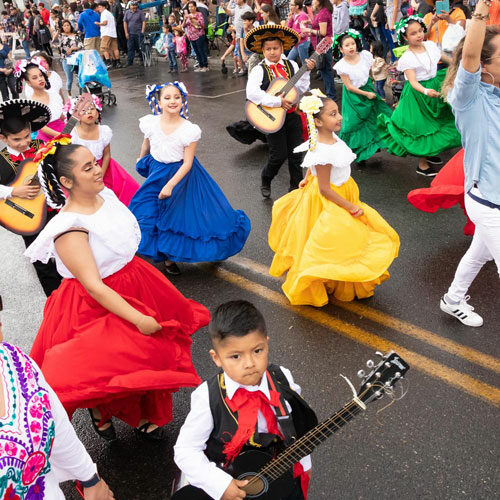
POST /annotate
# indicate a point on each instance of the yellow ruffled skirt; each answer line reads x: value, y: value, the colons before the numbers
x: 326, y: 250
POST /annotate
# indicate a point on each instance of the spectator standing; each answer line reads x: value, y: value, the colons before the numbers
x: 44, y: 37
x: 24, y: 36
x: 239, y: 9
x: 109, y: 41
x: 195, y: 30
x: 54, y: 21
x: 45, y: 13
x: 68, y: 43
x: 134, y: 24
x: 340, y: 16
x: 6, y: 24
x: 76, y: 13
x: 7, y: 80
x: 438, y: 24
x: 87, y: 25
x: 67, y: 15
x: 296, y: 17
x: 34, y: 24
x: 16, y: 18
x: 117, y: 11
x: 282, y: 8
x: 376, y: 14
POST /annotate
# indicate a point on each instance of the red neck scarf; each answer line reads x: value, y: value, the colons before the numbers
x: 279, y: 70
x: 29, y: 153
x: 248, y: 404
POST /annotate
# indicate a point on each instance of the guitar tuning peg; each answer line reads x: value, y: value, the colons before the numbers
x: 378, y: 353
x: 370, y: 364
x: 361, y: 374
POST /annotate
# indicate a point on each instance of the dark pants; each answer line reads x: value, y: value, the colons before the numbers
x: 48, y: 48
x: 379, y: 87
x: 49, y: 278
x: 122, y: 39
x: 8, y: 82
x: 200, y: 49
x: 327, y: 76
x: 281, y: 145
x: 134, y: 44
x: 172, y: 60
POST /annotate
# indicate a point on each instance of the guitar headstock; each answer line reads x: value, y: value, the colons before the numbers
x: 324, y: 45
x: 382, y: 377
x: 83, y: 103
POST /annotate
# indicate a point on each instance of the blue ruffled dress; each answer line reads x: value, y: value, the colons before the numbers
x: 196, y: 223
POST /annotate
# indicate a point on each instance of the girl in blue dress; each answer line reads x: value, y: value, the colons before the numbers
x: 183, y: 214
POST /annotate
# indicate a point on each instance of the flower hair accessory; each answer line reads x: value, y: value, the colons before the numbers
x: 402, y: 26
x: 310, y: 105
x: 153, y: 94
x: 20, y: 67
x: 339, y: 38
x: 69, y: 106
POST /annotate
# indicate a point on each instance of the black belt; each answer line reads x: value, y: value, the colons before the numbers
x: 486, y: 203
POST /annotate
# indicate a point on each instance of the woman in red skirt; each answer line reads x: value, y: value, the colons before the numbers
x: 116, y: 335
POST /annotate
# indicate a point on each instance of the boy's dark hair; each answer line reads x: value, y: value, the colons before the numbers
x: 249, y: 16
x: 271, y: 39
x: 236, y: 318
x: 13, y: 126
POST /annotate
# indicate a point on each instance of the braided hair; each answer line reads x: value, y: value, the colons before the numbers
x: 24, y: 76
x: 51, y: 169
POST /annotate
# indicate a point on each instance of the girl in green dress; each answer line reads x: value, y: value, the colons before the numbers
x: 423, y: 124
x: 360, y: 104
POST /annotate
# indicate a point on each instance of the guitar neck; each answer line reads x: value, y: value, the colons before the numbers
x: 296, y: 77
x: 70, y: 125
x: 309, y: 441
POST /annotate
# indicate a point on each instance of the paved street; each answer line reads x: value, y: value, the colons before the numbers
x: 441, y: 440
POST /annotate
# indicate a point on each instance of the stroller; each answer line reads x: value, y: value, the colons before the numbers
x: 93, y: 75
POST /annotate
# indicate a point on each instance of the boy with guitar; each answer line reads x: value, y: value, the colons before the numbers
x: 249, y: 405
x: 18, y: 118
x: 271, y: 41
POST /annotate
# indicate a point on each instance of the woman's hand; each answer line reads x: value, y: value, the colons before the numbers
x: 432, y: 93
x: 303, y: 183
x: 100, y: 491
x: 166, y: 192
x: 371, y: 95
x: 147, y: 325
x: 355, y: 211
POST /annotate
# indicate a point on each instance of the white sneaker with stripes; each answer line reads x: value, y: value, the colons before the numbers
x: 462, y: 311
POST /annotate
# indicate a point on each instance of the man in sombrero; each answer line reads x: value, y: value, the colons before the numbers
x: 18, y: 118
x: 271, y: 41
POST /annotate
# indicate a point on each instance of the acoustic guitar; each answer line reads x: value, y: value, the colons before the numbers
x: 27, y: 216
x: 271, y: 478
x: 270, y: 120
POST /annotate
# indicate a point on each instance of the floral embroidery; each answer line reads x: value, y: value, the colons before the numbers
x: 33, y: 466
x: 37, y: 491
x: 10, y: 494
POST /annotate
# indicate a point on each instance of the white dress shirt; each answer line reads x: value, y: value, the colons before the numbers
x: 259, y: 96
x: 6, y: 191
x: 189, y: 450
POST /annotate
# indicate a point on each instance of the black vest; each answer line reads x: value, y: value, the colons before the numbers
x: 301, y: 420
x: 269, y: 75
x: 8, y: 168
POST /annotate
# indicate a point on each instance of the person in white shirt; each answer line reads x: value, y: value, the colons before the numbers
x: 109, y: 38
x: 248, y: 405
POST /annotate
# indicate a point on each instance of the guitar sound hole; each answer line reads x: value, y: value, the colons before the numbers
x: 256, y: 485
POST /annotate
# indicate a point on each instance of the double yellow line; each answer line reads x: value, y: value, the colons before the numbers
x: 461, y: 381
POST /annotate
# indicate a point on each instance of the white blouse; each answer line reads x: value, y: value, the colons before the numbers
x: 55, y: 85
x: 168, y: 148
x: 114, y: 236
x: 338, y: 155
x: 96, y: 146
x: 358, y: 73
x: 425, y: 64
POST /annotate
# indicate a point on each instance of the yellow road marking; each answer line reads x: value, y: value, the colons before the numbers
x: 468, y: 384
x: 384, y: 319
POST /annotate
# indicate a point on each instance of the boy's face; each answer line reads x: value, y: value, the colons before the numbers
x: 247, y: 24
x: 272, y: 50
x: 20, y: 141
x: 244, y: 359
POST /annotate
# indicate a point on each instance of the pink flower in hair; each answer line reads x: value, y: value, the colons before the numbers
x: 41, y: 63
x: 20, y: 67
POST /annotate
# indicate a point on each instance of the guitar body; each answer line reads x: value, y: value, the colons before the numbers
x: 23, y: 216
x: 270, y: 120
x: 244, y: 467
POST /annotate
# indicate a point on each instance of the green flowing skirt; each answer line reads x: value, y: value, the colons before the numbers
x: 359, y: 122
x: 420, y: 125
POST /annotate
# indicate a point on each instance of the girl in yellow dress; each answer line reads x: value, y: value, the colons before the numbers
x: 322, y: 234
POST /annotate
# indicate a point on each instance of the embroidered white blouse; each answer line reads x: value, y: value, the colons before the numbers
x: 97, y: 146
x: 168, y: 148
x: 425, y: 64
x: 358, y: 73
x: 338, y: 155
x: 114, y: 236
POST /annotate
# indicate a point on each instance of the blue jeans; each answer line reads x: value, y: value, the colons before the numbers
x: 387, y: 34
x: 26, y: 47
x: 134, y: 44
x: 301, y: 51
x: 68, y: 71
x: 200, y: 49
x: 378, y: 34
x: 172, y: 60
x: 327, y: 76
x: 379, y: 87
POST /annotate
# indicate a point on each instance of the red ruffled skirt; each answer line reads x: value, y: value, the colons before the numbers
x: 93, y: 358
x: 445, y: 191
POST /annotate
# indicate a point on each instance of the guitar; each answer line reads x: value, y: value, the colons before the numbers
x: 270, y: 120
x: 272, y: 478
x: 27, y: 216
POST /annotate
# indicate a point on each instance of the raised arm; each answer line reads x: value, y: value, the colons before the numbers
x: 474, y: 38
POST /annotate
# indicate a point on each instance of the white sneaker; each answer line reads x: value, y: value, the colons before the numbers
x: 462, y: 311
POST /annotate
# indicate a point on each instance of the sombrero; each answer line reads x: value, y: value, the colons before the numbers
x: 256, y: 36
x: 36, y: 113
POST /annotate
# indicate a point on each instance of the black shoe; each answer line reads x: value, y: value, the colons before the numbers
x: 172, y: 269
x: 266, y: 191
x: 434, y: 160
x: 108, y: 434
x: 117, y: 63
x: 109, y: 64
x: 430, y: 172
x: 156, y: 435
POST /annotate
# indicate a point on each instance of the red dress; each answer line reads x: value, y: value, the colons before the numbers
x: 93, y: 358
x: 445, y: 191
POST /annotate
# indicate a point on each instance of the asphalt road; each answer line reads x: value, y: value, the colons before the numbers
x: 440, y: 441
